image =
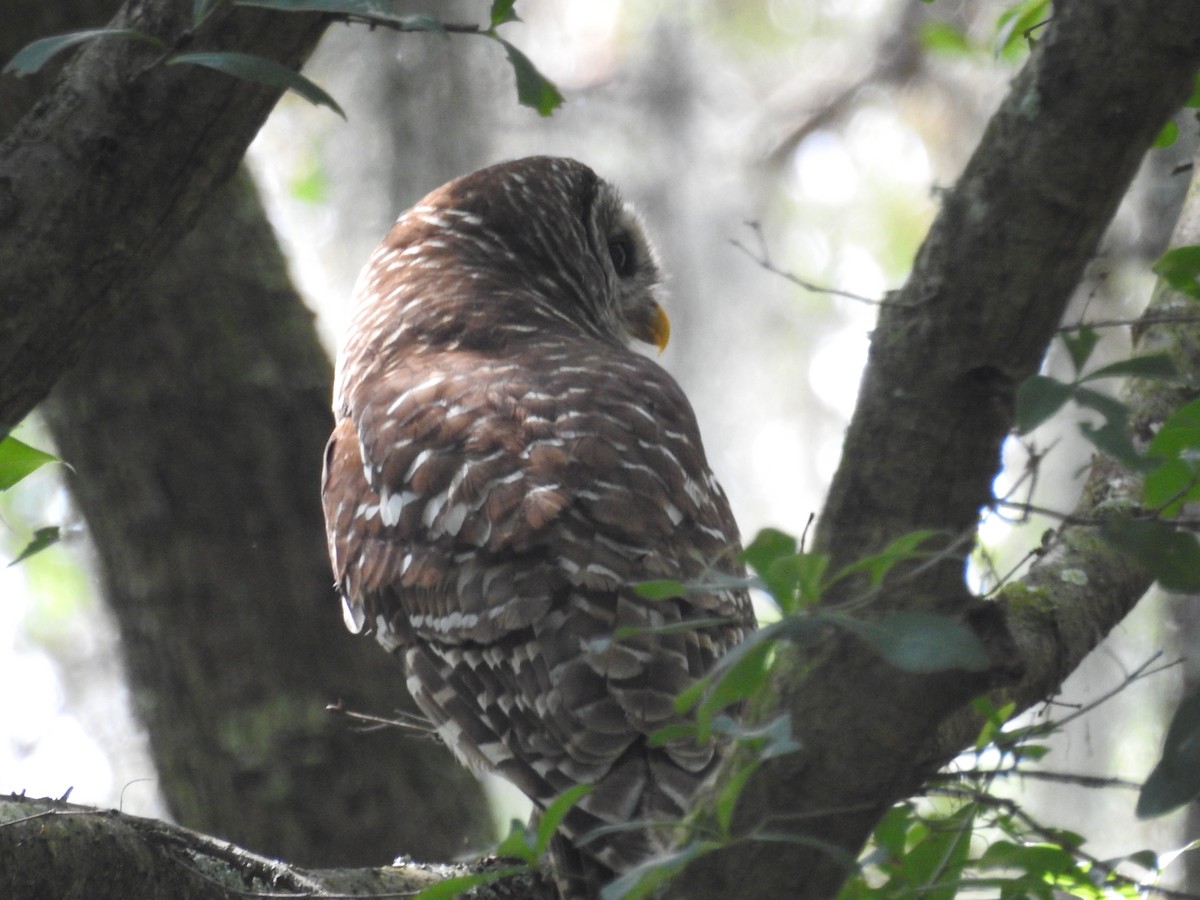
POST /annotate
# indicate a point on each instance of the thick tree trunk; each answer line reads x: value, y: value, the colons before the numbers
x: 99, y: 180
x: 974, y: 320
x: 986, y: 293
x: 194, y: 429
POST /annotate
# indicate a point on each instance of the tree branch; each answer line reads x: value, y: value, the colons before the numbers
x: 985, y: 297
x: 49, y: 848
x: 110, y: 169
x: 1079, y: 591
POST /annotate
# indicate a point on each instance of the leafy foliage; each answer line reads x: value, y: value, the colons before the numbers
x: 18, y: 460
x: 533, y: 88
x: 33, y: 56
x: 263, y: 71
x: 921, y: 642
x: 1180, y: 268
x: 1175, y: 780
x: 964, y: 837
x: 522, y: 844
x: 1016, y: 27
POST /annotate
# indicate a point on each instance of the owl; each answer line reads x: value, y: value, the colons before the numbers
x: 504, y: 470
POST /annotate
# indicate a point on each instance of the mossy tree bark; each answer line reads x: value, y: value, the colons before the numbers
x: 986, y: 294
x: 194, y: 426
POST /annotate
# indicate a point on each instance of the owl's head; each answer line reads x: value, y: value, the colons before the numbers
x: 540, y: 242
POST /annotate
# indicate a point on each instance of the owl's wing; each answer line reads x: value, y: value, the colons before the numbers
x: 490, y: 517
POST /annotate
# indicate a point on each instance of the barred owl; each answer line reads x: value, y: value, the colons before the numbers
x: 503, y: 469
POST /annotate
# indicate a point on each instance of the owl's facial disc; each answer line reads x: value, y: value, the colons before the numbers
x: 633, y: 275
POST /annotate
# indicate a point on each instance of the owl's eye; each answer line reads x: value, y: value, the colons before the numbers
x: 621, y: 252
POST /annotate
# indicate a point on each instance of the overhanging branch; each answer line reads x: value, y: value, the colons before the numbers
x: 110, y: 169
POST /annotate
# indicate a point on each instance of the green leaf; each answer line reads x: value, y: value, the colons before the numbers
x: 533, y: 88
x: 1176, y: 480
x: 775, y: 738
x: 18, y: 460
x: 1175, y: 781
x: 747, y: 673
x: 1194, y: 100
x: 768, y: 545
x: 793, y: 579
x: 1080, y: 345
x: 741, y: 680
x: 796, y: 581
x: 1012, y: 26
x: 1180, y: 268
x: 42, y: 538
x: 644, y: 881
x: 935, y: 862
x: 902, y: 548
x: 1112, y: 409
x: 994, y: 719
x: 921, y: 642
x: 553, y: 815
x: 503, y: 11
x: 262, y: 71
x: 518, y: 843
x: 1038, y: 398
x: 1171, y: 556
x: 1167, y: 135
x: 30, y: 58
x: 200, y: 10
x: 1113, y: 437
x: 663, y: 589
x: 942, y: 37
x: 379, y: 10
x: 460, y: 884
x: 727, y: 797
x: 1152, y: 365
x: 680, y: 732
x: 1036, y: 859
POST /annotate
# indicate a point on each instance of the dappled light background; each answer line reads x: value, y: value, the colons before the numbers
x: 760, y: 140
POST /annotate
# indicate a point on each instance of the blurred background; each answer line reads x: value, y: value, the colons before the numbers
x: 776, y: 148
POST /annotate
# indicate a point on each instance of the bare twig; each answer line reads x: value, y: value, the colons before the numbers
x: 763, y: 258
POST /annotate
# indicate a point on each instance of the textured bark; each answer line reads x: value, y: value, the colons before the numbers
x: 194, y: 428
x: 987, y: 291
x: 110, y: 169
x: 53, y: 849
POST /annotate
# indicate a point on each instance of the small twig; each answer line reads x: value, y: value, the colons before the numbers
x: 763, y: 259
x: 1164, y: 319
x: 1026, y: 509
x: 1088, y: 781
x: 1039, y: 550
x: 414, y: 724
x: 125, y: 787
x: 812, y: 517
x: 1142, y: 671
x: 398, y: 26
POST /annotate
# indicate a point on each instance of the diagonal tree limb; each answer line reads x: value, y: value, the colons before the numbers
x: 987, y: 292
x: 1076, y: 593
x: 111, y: 168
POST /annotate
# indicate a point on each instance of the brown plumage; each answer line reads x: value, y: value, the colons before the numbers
x: 502, y: 469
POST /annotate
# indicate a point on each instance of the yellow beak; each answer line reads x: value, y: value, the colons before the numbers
x: 654, y: 328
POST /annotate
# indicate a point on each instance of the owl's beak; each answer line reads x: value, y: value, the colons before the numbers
x: 653, y: 328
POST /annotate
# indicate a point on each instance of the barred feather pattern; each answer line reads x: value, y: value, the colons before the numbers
x: 503, y: 468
